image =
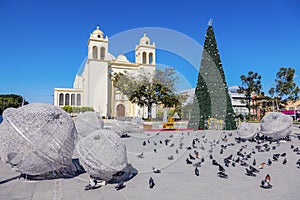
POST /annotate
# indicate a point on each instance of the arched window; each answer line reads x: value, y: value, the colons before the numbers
x: 95, y: 52
x: 72, y: 99
x: 151, y: 58
x: 61, y: 99
x: 102, y: 53
x: 144, y: 58
x: 67, y: 100
x: 78, y: 100
x: 120, y: 110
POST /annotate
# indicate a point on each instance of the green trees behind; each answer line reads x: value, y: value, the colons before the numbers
x: 70, y: 109
x: 11, y: 100
x: 250, y: 84
x: 285, y: 89
x: 148, y: 89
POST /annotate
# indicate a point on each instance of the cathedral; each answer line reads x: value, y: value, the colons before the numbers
x: 93, y: 86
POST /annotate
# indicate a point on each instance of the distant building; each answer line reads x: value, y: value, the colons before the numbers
x: 236, y: 100
x: 293, y: 109
x: 190, y: 96
x: 93, y: 86
x: 239, y: 103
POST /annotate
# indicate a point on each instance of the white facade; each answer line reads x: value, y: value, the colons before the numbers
x: 236, y: 100
x: 93, y: 86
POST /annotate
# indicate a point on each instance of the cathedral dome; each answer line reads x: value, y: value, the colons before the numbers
x: 97, y: 33
x: 122, y: 58
x: 145, y: 40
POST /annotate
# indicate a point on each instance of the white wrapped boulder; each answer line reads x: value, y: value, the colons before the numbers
x: 124, y: 127
x: 88, y: 122
x: 246, y: 130
x: 102, y: 154
x: 276, y: 125
x: 37, y: 138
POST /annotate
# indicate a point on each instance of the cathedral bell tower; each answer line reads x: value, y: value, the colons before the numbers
x: 97, y: 45
x: 145, y: 52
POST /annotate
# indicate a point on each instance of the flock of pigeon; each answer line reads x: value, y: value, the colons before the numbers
x: 244, y: 157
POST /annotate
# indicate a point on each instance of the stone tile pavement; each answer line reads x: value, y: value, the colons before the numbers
x: 177, y: 179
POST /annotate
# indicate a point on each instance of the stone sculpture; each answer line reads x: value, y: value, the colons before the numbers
x: 37, y: 138
x: 102, y: 154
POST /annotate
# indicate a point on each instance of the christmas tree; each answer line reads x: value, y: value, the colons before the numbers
x: 201, y: 106
x: 211, y: 94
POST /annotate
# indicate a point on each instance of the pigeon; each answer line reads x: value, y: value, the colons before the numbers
x: 210, y: 156
x: 188, y: 161
x: 148, y: 141
x: 221, y: 168
x: 155, y: 151
x: 141, y: 155
x: 245, y: 158
x: 292, y: 146
x: 196, y: 171
x: 244, y: 164
x: 151, y: 183
x: 233, y: 164
x: 221, y: 151
x: 229, y: 157
x: 296, y: 149
x: 120, y: 185
x: 155, y: 143
x: 253, y: 169
x: 275, y: 157
x: 155, y: 170
x: 167, y: 141
x: 239, y: 153
x: 269, y: 162
x: 172, y: 145
x: 160, y: 141
x: 249, y: 172
x: 283, y: 155
x: 170, y: 158
x: 222, y: 175
x: 202, y: 159
x: 191, y: 157
x: 284, y: 161
x: 214, y: 162
x: 144, y: 143
x: 254, y: 162
x: 298, y: 163
x: 176, y: 151
x: 237, y: 160
x: 226, y: 164
x: 197, y: 164
x: 22, y: 175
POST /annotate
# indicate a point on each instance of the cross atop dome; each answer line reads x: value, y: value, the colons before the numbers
x: 97, y: 33
x: 210, y: 22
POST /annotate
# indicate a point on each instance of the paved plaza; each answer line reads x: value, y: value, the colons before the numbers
x: 177, y: 179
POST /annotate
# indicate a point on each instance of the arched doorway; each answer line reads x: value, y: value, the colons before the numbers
x: 120, y: 110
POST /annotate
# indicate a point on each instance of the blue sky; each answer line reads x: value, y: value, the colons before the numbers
x: 43, y: 43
